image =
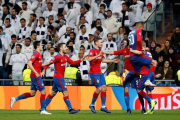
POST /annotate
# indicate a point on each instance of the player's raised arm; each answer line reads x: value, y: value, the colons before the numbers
x: 109, y: 53
x: 137, y: 52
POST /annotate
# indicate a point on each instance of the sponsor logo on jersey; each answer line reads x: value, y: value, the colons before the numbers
x: 42, y: 84
x: 97, y: 81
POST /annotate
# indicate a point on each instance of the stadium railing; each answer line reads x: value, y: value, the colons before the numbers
x: 163, y: 24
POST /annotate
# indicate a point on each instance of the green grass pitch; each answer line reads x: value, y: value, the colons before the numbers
x: 88, y: 115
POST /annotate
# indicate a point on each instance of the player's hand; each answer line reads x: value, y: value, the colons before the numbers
x: 101, y: 53
x: 147, y: 39
x: 52, y: 68
x: 64, y: 13
x: 43, y: 73
x: 116, y: 60
x: 84, y: 58
x: 10, y: 76
x: 37, y: 75
x: 6, y: 64
x: 38, y: 3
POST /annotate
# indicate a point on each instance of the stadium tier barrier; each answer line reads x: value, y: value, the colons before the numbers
x: 168, y: 98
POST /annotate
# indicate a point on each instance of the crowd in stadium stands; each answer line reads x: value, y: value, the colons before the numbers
x: 77, y: 23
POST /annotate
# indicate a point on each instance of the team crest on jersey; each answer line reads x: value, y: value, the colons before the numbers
x: 53, y: 58
x: 90, y: 53
x: 33, y: 57
x: 97, y: 81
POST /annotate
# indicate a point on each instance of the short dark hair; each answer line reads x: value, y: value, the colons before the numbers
x: 99, y: 28
x: 87, y: 6
x: 51, y: 43
x: 50, y: 27
x: 125, y: 34
x: 36, y: 44
x: 98, y: 19
x: 69, y: 42
x: 14, y: 9
x: 73, y: 33
x: 25, y: 3
x: 60, y: 45
x: 158, y: 45
x: 1, y: 28
x: 109, y: 11
x: 103, y: 5
x: 42, y: 18
x: 23, y: 19
x: 108, y: 34
x: 60, y: 14
x: 96, y: 40
x: 81, y: 27
x: 32, y: 32
x: 34, y: 15
x: 13, y: 36
x: 50, y: 3
x: 70, y: 48
x: 8, y: 19
x: 52, y: 47
x: 139, y: 23
x: 19, y: 45
x: 124, y: 4
x: 82, y: 46
x: 6, y: 7
x: 28, y: 38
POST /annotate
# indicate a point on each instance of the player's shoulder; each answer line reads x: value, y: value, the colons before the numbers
x: 93, y: 49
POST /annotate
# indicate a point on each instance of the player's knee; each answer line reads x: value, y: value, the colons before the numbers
x: 43, y: 92
x: 53, y: 93
x: 104, y: 89
x: 65, y: 93
x: 98, y: 90
x: 33, y: 94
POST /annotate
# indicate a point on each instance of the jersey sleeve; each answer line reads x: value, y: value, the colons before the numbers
x: 33, y: 57
x: 139, y: 41
x: 10, y: 61
x: 119, y: 52
x: 71, y: 61
x: 53, y: 60
x: 91, y: 53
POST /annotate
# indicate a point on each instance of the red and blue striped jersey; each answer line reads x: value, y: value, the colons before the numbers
x: 59, y: 62
x: 36, y: 59
x: 95, y: 65
x: 135, y: 40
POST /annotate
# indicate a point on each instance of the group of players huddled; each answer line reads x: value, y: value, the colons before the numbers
x: 138, y: 63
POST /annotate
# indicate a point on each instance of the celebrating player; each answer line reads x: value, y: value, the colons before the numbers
x: 144, y: 75
x: 132, y: 76
x: 35, y: 64
x: 59, y: 62
x: 139, y: 61
x: 97, y: 78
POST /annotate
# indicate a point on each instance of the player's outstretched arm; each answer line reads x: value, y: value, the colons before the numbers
x: 91, y: 57
x: 32, y: 68
x: 75, y: 62
x: 110, y: 61
x: 48, y: 63
x: 109, y: 53
x: 137, y: 52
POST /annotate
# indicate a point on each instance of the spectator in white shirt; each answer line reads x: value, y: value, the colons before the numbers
x: 33, y: 36
x: 50, y: 69
x: 11, y: 49
x: 27, y: 1
x: 83, y: 22
x: 5, y: 13
x: 95, y: 8
x: 116, y: 7
x: 50, y: 11
x: 111, y: 23
x: 54, y: 2
x: 46, y: 53
x: 71, y: 55
x: 90, y: 43
x: 76, y: 6
x: 82, y: 38
x: 65, y: 38
x: 51, y: 21
x: 62, y: 30
x: 88, y: 13
x: 120, y: 37
x: 101, y: 34
x: 25, y: 13
x: 102, y: 14
x: 137, y: 7
x: 127, y: 18
x: 41, y: 30
x: 33, y: 22
x: 27, y: 48
x: 73, y: 37
x: 37, y: 8
x: 55, y: 41
x: 15, y: 20
x: 8, y: 28
x: 24, y: 31
x: 71, y: 15
x: 84, y: 67
x: 87, y: 18
x: 17, y: 63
